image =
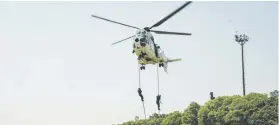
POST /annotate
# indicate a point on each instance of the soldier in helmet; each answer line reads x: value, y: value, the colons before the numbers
x: 158, y: 101
x: 140, y: 94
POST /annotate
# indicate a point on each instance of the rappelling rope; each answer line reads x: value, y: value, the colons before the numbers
x: 144, y: 110
x: 140, y: 88
x: 158, y: 82
x: 158, y: 79
x: 139, y: 75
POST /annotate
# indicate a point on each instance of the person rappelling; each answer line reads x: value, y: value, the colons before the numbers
x: 140, y: 94
x: 158, y: 101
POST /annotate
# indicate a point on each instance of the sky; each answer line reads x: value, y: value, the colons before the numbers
x: 57, y: 66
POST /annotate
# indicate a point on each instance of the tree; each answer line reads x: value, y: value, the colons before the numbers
x: 267, y: 114
x: 214, y: 111
x: 174, y: 118
x: 156, y: 119
x: 252, y: 109
x: 190, y: 115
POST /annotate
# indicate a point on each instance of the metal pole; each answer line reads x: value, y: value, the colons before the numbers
x: 243, y: 78
x: 242, y: 39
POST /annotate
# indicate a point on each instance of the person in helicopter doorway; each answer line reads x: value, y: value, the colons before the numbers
x: 158, y: 101
x: 140, y: 94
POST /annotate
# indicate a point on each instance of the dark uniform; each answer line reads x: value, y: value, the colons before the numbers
x: 158, y: 101
x: 140, y: 94
x: 211, y: 96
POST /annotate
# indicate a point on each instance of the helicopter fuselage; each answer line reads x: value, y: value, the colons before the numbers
x: 145, y: 48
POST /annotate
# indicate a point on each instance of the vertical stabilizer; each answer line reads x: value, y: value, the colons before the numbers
x: 167, y: 60
x: 166, y: 67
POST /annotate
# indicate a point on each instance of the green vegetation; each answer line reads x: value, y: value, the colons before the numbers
x: 252, y: 109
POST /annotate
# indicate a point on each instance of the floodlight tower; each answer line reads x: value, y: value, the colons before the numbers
x: 242, y: 39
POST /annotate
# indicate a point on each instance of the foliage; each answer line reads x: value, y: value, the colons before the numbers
x: 190, y: 114
x: 252, y: 109
x: 173, y: 118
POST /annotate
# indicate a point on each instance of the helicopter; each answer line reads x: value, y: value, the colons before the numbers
x: 144, y: 46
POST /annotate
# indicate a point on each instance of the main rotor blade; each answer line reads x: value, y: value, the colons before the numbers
x: 166, y: 32
x: 170, y: 15
x: 122, y: 40
x: 114, y: 22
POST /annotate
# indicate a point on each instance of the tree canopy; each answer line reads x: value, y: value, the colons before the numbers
x: 252, y: 109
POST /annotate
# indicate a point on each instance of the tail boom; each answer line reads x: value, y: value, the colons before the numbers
x: 166, y: 63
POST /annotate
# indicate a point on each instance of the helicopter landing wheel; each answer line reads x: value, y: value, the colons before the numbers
x: 142, y: 68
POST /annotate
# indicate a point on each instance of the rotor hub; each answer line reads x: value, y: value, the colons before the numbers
x: 147, y: 29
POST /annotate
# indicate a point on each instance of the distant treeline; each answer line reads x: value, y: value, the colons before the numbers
x: 252, y: 109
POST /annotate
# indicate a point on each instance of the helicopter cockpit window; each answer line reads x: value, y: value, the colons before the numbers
x: 143, y: 32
